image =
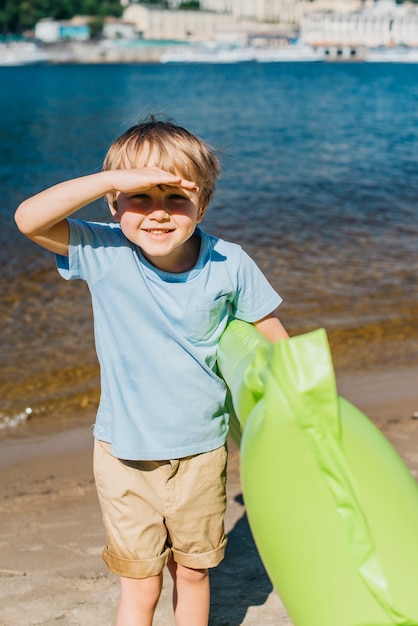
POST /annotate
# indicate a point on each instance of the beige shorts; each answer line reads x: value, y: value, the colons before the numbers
x: 157, y: 510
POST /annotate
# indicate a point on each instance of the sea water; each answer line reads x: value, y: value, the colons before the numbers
x: 319, y: 185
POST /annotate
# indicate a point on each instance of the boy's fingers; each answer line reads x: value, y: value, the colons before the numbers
x: 162, y: 177
x: 190, y: 185
x: 186, y: 184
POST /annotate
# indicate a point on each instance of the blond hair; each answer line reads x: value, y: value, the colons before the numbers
x: 173, y: 149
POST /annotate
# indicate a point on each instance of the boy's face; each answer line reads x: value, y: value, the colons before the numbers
x: 161, y: 221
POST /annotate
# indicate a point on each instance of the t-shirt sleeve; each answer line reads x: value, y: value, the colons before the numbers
x: 255, y: 297
x: 92, y: 248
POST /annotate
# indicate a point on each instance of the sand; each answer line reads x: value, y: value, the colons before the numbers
x: 51, y: 535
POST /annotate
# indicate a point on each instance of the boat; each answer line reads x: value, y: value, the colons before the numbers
x: 239, y: 54
x: 16, y: 53
x: 399, y: 54
x: 289, y: 53
x: 209, y: 54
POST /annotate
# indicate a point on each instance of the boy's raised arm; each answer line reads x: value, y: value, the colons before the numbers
x: 42, y: 217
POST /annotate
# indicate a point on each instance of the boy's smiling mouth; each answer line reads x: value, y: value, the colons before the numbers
x: 158, y: 231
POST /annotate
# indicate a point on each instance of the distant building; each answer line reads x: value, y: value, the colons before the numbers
x: 285, y: 11
x: 52, y: 31
x: 243, y: 14
x: 165, y: 24
x: 115, y: 28
x: 384, y: 24
x: 257, y: 10
x: 78, y: 29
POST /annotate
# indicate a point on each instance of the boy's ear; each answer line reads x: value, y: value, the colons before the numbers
x: 113, y: 208
x: 201, y: 213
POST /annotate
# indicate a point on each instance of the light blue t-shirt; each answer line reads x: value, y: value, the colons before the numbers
x: 156, y: 337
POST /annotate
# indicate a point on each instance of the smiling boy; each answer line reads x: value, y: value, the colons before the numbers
x: 162, y: 292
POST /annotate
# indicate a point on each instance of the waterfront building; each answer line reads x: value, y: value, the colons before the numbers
x: 228, y: 20
x: 259, y: 11
x: 276, y: 11
x: 287, y: 11
x: 383, y: 24
x: 115, y: 28
x: 52, y: 31
x: 165, y: 24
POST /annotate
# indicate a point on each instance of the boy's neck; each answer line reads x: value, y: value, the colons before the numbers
x: 183, y: 259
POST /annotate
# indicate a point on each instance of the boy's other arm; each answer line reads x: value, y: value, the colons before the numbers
x: 272, y: 328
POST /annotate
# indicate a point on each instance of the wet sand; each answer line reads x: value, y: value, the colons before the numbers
x: 51, y: 534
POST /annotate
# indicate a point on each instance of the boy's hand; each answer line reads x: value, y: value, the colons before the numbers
x: 140, y: 179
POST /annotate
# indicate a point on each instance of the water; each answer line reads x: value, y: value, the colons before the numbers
x: 320, y: 185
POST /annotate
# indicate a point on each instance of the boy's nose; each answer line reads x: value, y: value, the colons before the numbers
x: 160, y: 212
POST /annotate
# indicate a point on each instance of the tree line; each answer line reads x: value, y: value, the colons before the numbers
x: 18, y: 16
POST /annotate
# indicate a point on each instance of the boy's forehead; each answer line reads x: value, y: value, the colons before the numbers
x: 150, y: 156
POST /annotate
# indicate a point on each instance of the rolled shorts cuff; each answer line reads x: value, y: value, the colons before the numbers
x: 129, y: 568
x: 203, y: 560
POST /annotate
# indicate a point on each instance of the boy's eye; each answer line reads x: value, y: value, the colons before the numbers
x: 177, y: 196
x: 139, y: 196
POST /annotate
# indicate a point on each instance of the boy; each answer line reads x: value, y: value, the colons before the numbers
x: 162, y: 293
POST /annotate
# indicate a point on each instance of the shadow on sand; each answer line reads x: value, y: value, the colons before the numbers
x: 240, y: 581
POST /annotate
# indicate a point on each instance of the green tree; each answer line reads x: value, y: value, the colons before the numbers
x: 192, y: 5
x: 160, y: 3
x: 9, y: 16
x: 96, y: 27
x: 19, y: 15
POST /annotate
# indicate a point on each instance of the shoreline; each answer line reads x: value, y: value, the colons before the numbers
x: 51, y: 532
x: 151, y: 51
x: 386, y: 395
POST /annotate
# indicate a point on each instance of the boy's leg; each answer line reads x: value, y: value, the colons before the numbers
x: 195, y: 523
x: 191, y: 595
x: 136, y: 535
x: 138, y: 600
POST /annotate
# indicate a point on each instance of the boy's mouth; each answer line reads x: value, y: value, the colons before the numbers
x: 158, y: 231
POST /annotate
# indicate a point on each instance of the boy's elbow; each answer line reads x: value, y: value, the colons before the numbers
x: 20, y: 218
x: 23, y: 221
x: 53, y: 237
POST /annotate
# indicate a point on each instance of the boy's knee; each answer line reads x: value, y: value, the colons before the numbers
x: 191, y: 575
x: 141, y: 590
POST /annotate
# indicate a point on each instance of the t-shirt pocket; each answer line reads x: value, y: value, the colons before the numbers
x: 208, y: 317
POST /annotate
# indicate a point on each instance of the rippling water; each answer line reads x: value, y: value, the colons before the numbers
x: 320, y: 185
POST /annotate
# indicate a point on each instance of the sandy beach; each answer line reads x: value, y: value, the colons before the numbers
x: 51, y: 534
